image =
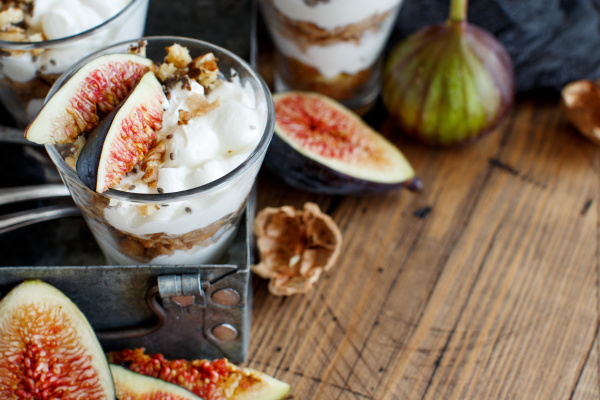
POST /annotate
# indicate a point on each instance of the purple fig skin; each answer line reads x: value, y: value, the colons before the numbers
x: 448, y: 83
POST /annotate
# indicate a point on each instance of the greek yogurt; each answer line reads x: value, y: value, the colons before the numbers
x: 205, y: 149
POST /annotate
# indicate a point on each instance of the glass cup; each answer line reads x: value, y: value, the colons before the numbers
x: 193, y: 226
x: 28, y: 69
x: 333, y: 47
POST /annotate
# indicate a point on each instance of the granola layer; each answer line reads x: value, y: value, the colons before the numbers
x: 300, y: 76
x: 305, y: 33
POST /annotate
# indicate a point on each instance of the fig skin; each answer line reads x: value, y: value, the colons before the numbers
x: 448, y: 83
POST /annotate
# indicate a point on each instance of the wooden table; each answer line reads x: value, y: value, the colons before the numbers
x: 493, y: 294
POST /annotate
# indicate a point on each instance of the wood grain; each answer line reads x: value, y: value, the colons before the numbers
x: 491, y: 295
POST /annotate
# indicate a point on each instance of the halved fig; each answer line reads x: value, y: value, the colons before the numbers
x: 48, y: 349
x: 96, y: 88
x: 130, y: 385
x: 211, y: 380
x: 123, y: 138
x: 321, y: 146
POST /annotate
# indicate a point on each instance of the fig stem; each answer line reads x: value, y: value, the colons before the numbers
x: 458, y: 10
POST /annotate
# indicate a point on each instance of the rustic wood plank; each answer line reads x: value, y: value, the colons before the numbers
x: 493, y: 294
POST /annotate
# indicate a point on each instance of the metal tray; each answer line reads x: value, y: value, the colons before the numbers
x: 200, y: 311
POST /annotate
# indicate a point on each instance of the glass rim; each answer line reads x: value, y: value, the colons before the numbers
x: 159, y: 198
x: 24, y: 46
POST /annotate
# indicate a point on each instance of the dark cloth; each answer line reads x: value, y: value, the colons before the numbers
x: 551, y: 42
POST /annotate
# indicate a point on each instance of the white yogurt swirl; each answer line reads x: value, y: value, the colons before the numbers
x: 205, y: 149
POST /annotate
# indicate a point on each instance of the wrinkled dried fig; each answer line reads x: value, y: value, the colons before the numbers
x: 580, y: 101
x: 295, y: 247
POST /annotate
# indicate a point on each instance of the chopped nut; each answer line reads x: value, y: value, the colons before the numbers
x: 147, y: 209
x: 13, y: 34
x: 204, y: 69
x: 295, y: 247
x: 199, y: 105
x: 151, y: 162
x: 184, y: 117
x: 75, y: 149
x: 139, y: 49
x: 10, y: 16
x: 581, y: 105
x: 178, y: 55
x: 165, y: 71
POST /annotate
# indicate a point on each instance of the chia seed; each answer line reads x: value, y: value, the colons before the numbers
x: 170, y: 136
x: 188, y: 210
x: 171, y: 156
x: 160, y: 190
x: 134, y: 170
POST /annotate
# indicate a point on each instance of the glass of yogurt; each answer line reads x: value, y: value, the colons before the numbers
x: 333, y: 47
x: 206, y: 176
x: 41, y: 39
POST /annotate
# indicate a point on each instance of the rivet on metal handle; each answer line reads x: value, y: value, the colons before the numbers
x: 141, y: 330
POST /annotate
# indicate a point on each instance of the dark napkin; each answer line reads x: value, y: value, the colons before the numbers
x: 551, y: 42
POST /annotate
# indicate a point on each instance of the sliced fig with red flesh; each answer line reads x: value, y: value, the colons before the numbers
x: 130, y: 385
x: 123, y: 138
x: 211, y: 380
x: 48, y: 349
x: 321, y: 146
x: 94, y: 90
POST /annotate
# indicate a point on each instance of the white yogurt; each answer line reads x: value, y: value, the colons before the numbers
x: 333, y: 13
x: 205, y: 149
x: 57, y: 19
x: 339, y: 57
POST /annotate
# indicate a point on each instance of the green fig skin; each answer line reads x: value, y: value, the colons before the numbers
x: 448, y: 83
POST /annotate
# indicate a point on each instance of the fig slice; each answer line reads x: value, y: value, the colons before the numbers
x: 321, y: 146
x: 130, y: 385
x: 123, y: 138
x: 94, y: 90
x: 48, y: 349
x: 211, y: 380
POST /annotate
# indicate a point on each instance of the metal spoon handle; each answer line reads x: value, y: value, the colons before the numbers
x: 23, y: 218
x: 16, y: 194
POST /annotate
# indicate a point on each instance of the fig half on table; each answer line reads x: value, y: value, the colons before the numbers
x: 322, y: 147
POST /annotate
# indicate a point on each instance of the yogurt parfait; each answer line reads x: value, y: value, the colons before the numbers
x: 40, y: 39
x: 332, y: 47
x: 163, y: 175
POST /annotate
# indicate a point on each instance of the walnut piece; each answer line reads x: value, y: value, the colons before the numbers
x: 295, y: 247
x: 178, y: 56
x: 151, y: 163
x: 580, y: 102
x: 204, y: 69
x: 11, y: 16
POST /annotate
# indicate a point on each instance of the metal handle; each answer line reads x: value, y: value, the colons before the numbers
x: 24, y: 218
x: 143, y: 329
x: 23, y: 193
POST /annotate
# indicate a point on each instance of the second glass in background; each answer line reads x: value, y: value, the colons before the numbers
x: 29, y: 68
x: 333, y: 47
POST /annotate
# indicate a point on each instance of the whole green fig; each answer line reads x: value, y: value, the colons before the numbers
x: 448, y: 83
